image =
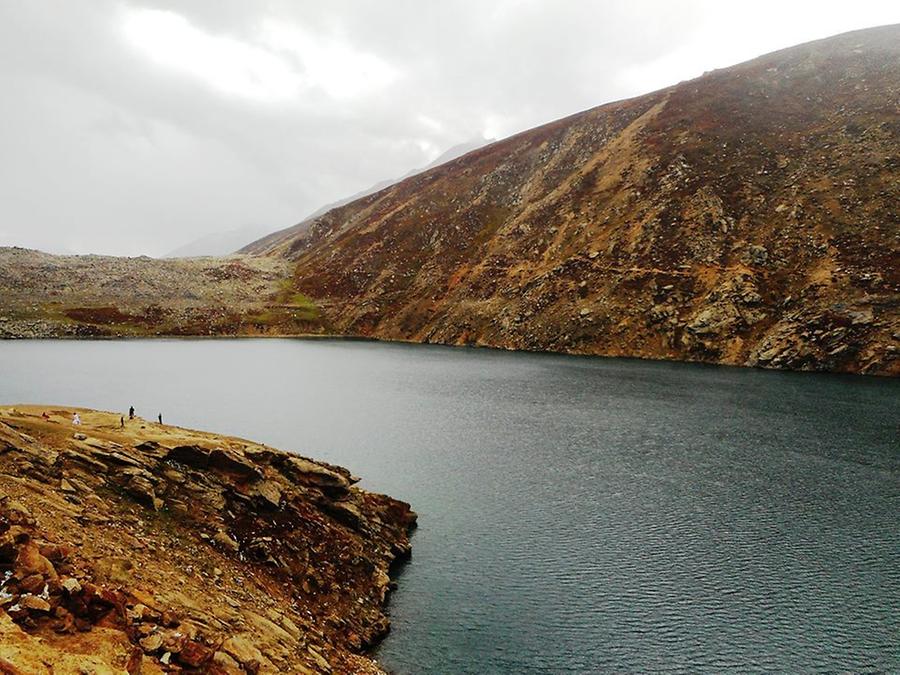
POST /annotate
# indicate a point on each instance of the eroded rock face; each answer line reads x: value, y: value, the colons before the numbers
x: 158, y: 549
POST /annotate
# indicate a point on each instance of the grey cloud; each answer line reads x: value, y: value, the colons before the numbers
x: 106, y: 151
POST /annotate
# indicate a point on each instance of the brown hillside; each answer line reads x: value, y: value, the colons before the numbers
x: 749, y: 217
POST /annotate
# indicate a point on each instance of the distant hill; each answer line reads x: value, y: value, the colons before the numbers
x: 219, y: 243
x: 749, y: 216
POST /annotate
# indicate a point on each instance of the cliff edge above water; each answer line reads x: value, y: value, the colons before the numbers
x: 151, y: 549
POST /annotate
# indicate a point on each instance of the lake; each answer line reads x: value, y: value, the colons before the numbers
x: 576, y: 515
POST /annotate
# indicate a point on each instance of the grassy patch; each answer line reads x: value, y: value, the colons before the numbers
x: 302, y: 307
x: 297, y: 306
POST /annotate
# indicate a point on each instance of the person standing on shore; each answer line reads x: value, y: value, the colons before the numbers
x: 131, y: 413
x: 76, y: 420
x: 160, y: 418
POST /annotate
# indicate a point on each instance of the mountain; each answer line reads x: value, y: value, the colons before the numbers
x: 270, y: 240
x: 219, y: 243
x: 749, y: 216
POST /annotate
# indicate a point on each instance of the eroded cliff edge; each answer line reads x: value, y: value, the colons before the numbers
x: 151, y: 548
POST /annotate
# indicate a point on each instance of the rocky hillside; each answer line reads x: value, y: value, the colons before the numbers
x: 747, y: 217
x: 146, y: 548
x: 44, y: 295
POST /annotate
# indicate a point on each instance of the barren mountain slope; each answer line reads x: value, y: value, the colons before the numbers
x: 44, y: 295
x: 749, y: 216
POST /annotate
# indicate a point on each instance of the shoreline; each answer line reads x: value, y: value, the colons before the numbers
x: 487, y: 347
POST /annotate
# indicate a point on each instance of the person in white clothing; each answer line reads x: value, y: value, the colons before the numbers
x: 76, y: 420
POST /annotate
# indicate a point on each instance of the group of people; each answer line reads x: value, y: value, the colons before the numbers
x: 76, y: 418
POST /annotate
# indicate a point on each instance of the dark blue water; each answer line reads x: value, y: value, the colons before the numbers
x: 576, y: 515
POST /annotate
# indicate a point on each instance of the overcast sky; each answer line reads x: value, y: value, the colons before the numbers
x: 134, y: 127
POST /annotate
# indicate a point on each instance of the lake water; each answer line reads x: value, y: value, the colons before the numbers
x: 576, y: 515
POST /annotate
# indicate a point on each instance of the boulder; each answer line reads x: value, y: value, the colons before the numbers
x: 241, y: 649
x: 270, y: 493
x: 34, y: 603
x: 151, y: 643
x: 194, y: 654
x: 306, y: 472
x: 30, y: 561
x: 232, y: 462
x: 141, y: 488
x: 226, y: 665
x: 190, y: 455
x: 225, y: 542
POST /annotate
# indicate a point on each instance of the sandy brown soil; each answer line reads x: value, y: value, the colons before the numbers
x: 150, y: 548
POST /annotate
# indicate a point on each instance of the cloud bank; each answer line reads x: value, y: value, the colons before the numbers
x: 131, y: 128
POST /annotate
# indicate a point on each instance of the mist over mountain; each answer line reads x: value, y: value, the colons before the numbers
x: 270, y: 240
x: 218, y: 243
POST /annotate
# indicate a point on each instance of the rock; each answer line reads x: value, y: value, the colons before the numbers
x: 190, y: 455
x: 194, y: 654
x: 749, y: 296
x: 151, y: 643
x: 173, y: 475
x: 94, y: 465
x: 861, y: 318
x: 115, y: 570
x: 33, y: 583
x: 30, y: 561
x: 270, y: 492
x: 173, y: 641
x: 269, y: 628
x: 345, y: 511
x: 71, y: 585
x: 232, y: 462
x: 111, y: 455
x: 226, y: 665
x: 241, y: 648
x: 306, y: 472
x: 65, y: 622
x: 290, y: 627
x: 205, y: 613
x: 712, y: 320
x: 34, y: 603
x: 320, y: 660
x: 18, y: 513
x: 757, y: 255
x: 224, y: 541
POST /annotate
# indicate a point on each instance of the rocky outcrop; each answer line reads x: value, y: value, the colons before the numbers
x: 158, y: 549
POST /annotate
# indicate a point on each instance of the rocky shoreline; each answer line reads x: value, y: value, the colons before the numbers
x: 147, y: 548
